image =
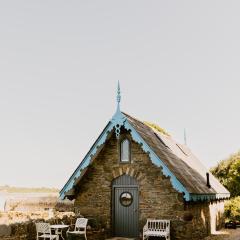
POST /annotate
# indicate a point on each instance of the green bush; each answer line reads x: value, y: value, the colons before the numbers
x: 228, y: 173
x: 232, y: 209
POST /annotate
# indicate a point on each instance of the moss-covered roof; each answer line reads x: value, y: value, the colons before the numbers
x: 156, y: 127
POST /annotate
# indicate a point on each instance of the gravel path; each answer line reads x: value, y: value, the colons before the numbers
x: 228, y: 234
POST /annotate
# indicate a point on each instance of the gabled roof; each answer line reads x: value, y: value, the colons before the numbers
x: 179, y: 160
x: 186, y: 172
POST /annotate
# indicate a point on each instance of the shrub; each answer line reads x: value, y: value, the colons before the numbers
x: 232, y: 209
x: 228, y: 173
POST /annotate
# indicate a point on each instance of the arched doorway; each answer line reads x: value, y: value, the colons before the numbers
x: 125, y: 206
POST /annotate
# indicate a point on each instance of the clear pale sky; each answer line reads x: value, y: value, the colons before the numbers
x: 177, y: 62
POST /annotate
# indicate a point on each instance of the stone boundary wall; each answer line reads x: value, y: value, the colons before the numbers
x: 27, y: 230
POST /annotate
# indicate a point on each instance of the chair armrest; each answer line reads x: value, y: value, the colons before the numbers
x: 71, y: 227
x: 145, y: 228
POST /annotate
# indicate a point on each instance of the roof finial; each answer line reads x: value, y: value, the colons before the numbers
x: 118, y: 97
x: 118, y: 118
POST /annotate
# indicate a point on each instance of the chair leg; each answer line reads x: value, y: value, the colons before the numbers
x: 85, y: 236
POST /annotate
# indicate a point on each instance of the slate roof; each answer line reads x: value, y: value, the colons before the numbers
x: 179, y: 160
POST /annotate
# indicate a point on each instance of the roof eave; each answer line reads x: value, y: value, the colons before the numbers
x: 86, y: 160
x: 208, y: 197
x: 119, y: 119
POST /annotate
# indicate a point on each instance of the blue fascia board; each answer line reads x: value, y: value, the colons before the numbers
x: 86, y: 161
x: 209, y: 197
x: 202, y: 197
x: 157, y: 161
x: 175, y: 182
x: 118, y: 120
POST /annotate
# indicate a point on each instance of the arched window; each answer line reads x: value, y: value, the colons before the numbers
x: 125, y: 150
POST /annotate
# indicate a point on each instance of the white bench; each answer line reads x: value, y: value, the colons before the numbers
x: 156, y: 228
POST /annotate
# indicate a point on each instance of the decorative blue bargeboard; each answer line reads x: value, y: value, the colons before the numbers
x: 120, y: 120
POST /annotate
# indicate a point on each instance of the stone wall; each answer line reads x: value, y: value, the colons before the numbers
x: 27, y: 230
x: 199, y: 220
x: 157, y: 198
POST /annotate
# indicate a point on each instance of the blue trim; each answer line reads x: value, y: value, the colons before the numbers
x: 118, y: 120
x: 202, y: 197
x: 175, y: 182
x: 209, y: 197
x: 86, y: 161
x: 157, y: 161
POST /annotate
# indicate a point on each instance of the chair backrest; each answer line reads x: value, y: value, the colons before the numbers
x: 81, y: 223
x: 158, y: 225
x: 43, y: 228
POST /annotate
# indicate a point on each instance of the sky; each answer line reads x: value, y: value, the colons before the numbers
x: 177, y: 63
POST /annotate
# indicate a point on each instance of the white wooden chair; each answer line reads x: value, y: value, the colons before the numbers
x: 44, y: 231
x: 156, y: 228
x: 80, y: 227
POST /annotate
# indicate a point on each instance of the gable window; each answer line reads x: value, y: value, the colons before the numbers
x: 125, y: 150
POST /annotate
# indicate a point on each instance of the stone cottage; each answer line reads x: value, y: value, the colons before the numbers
x: 135, y: 171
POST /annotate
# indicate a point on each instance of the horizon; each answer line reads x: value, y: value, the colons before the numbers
x: 60, y: 63
x: 10, y: 186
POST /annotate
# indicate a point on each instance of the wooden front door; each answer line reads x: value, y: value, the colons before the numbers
x: 125, y: 207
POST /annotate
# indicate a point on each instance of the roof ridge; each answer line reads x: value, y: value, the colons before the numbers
x: 134, y: 118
